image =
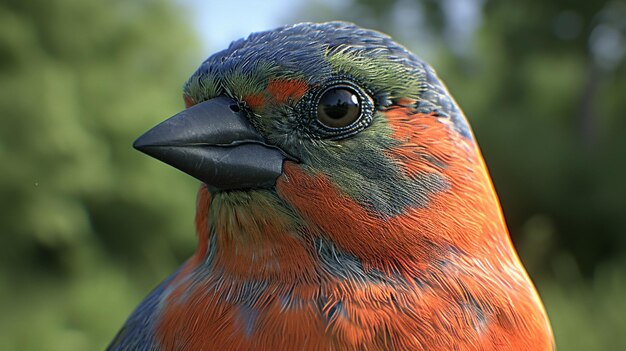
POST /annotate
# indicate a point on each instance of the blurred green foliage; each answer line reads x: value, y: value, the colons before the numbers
x: 89, y: 226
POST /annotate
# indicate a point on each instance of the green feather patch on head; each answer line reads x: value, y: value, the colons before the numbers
x: 379, y: 71
x: 250, y: 78
x: 200, y: 88
x: 242, y: 81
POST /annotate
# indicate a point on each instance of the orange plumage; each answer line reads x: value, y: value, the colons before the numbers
x: 380, y: 231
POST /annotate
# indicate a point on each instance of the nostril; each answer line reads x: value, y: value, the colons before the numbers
x: 235, y: 108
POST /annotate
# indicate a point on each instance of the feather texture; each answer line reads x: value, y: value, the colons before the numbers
x: 387, y: 238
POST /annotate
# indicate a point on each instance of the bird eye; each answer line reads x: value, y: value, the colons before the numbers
x: 338, y: 107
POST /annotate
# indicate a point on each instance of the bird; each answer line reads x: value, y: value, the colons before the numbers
x: 344, y: 205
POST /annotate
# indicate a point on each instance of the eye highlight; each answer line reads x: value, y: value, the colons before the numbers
x: 338, y: 107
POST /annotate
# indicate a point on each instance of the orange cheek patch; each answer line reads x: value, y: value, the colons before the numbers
x: 426, y: 143
x: 283, y: 90
x: 375, y: 241
x: 452, y: 216
x: 468, y: 214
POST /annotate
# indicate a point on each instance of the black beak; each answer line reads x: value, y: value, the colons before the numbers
x: 214, y: 142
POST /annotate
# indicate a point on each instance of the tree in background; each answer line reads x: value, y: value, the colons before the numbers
x: 88, y: 225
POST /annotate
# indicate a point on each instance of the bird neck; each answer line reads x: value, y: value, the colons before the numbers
x: 251, y: 235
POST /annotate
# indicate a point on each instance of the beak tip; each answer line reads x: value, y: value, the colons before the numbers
x: 139, y: 144
x: 151, y: 138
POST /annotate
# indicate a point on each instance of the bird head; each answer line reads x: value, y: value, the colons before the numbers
x: 352, y: 136
x: 340, y: 178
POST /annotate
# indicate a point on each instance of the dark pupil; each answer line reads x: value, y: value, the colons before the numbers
x: 338, y: 107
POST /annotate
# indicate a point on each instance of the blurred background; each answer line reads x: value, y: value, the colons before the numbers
x: 88, y: 225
